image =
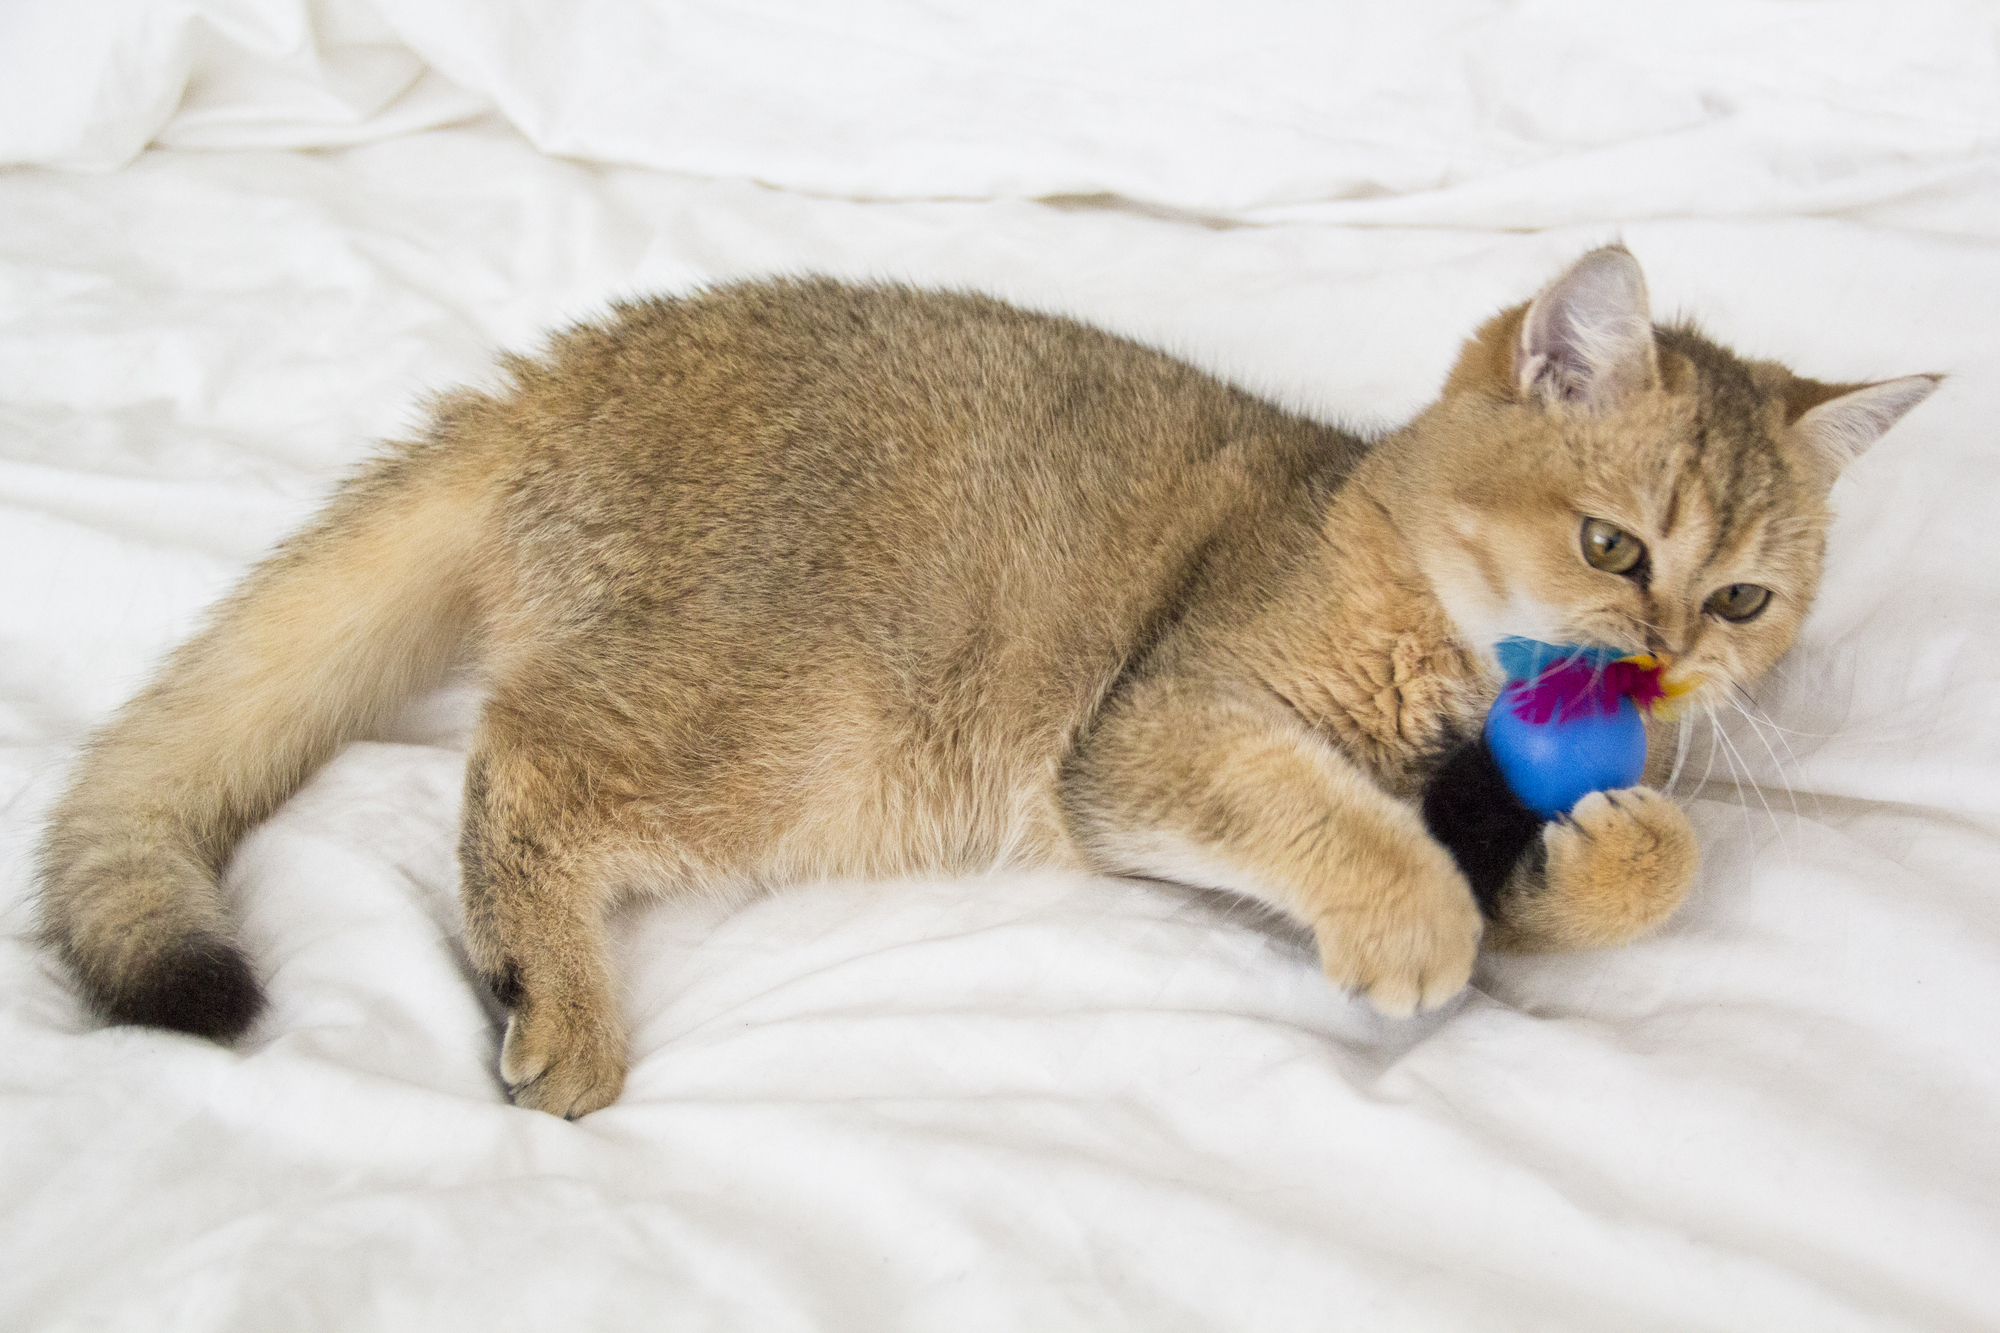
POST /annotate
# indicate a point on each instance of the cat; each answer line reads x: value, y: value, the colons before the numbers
x: 798, y: 578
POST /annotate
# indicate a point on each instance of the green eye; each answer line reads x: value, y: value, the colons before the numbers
x: 1739, y: 601
x: 1613, y: 550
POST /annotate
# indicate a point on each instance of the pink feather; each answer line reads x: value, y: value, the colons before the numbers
x: 1577, y: 687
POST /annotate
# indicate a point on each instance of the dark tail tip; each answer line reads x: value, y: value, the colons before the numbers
x: 203, y: 986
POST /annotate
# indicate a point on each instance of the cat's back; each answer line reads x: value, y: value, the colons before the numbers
x: 783, y: 443
x: 834, y: 386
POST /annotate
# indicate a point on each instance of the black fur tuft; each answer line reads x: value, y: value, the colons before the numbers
x: 203, y: 986
x: 1469, y: 807
x: 506, y: 984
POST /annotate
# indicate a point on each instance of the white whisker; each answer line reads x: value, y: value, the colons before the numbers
x: 1756, y: 788
x: 1777, y: 761
x: 1709, y: 767
x: 1774, y: 724
x: 1717, y: 745
x: 1680, y: 751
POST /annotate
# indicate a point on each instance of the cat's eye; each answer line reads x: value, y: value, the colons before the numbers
x: 1611, y: 549
x: 1739, y: 601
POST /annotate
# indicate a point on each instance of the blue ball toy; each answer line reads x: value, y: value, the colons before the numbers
x: 1570, y: 721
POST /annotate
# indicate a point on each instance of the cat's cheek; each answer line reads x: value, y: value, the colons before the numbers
x: 1482, y: 613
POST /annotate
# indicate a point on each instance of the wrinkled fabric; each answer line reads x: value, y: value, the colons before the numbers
x: 1016, y: 1101
x: 1457, y: 112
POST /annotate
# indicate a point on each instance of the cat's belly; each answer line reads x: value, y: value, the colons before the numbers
x: 843, y: 772
x: 850, y: 808
x: 909, y: 814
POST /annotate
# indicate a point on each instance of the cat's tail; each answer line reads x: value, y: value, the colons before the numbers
x: 321, y: 643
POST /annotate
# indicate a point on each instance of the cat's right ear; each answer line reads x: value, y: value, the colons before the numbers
x: 1586, y: 340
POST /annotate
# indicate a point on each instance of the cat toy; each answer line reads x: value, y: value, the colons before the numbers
x: 1570, y: 721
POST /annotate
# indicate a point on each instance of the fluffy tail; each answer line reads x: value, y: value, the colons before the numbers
x: 321, y: 643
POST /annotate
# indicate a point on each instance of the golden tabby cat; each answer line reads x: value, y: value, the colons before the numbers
x: 794, y: 579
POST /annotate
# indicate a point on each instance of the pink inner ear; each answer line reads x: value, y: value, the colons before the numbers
x: 1588, y: 337
x: 1575, y: 687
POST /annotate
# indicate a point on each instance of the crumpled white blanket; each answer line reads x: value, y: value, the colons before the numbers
x: 1019, y: 1102
x: 1527, y: 116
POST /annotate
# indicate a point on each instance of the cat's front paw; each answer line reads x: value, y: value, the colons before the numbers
x: 1616, y: 867
x: 562, y: 1059
x: 1407, y: 941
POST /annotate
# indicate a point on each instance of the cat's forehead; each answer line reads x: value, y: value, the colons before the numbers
x: 1707, y: 454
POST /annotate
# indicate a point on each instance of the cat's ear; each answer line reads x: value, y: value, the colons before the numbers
x: 1587, y: 339
x: 1839, y: 421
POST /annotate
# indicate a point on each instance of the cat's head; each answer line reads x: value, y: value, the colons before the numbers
x: 1588, y: 478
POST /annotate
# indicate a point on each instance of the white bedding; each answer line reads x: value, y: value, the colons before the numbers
x: 1023, y: 1102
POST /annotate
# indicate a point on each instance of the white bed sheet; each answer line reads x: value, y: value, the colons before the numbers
x: 1026, y: 1102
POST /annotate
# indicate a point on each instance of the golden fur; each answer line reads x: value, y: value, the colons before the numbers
x: 796, y: 578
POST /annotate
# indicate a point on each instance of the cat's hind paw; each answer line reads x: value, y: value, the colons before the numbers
x: 561, y: 1062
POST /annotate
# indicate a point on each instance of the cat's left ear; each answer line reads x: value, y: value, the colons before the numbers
x: 1838, y: 422
x: 1587, y: 338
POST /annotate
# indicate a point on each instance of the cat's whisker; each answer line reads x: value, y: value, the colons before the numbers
x: 1759, y: 717
x: 1756, y: 788
x: 1708, y: 768
x: 1794, y: 731
x: 1682, y: 731
x: 1777, y: 761
x: 1772, y: 723
x: 1720, y: 744
x: 1715, y: 748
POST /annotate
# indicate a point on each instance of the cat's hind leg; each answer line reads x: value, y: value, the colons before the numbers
x: 537, y: 857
